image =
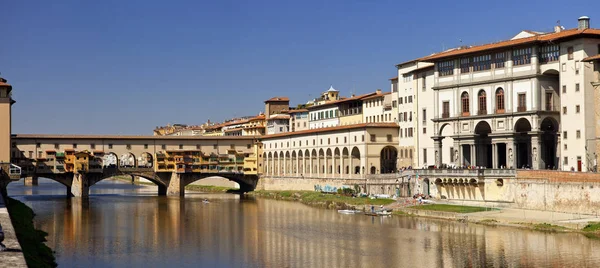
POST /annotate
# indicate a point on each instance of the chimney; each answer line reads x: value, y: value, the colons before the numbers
x: 378, y: 91
x: 583, y: 23
x: 557, y: 29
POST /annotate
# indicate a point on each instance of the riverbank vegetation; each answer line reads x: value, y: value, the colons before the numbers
x: 36, y: 252
x: 326, y: 200
x: 452, y: 208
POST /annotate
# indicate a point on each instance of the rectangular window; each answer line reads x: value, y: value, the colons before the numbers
x: 565, y: 146
x: 445, y: 68
x: 163, y: 146
x: 215, y: 146
x: 566, y: 160
x: 445, y: 109
x: 521, y: 56
x: 577, y: 87
x: 394, y: 104
x: 564, y: 89
x: 363, y: 138
x: 424, y: 78
x: 577, y: 109
x: 93, y: 146
x: 128, y: 146
x: 410, y: 99
x: 451, y: 154
x: 564, y: 135
x: 570, y: 53
x: 564, y: 109
x: 424, y: 115
x: 578, y: 134
x: 74, y: 145
x: 499, y: 60
x: 424, y: 155
x: 465, y: 65
x: 549, y: 53
x: 38, y: 145
x: 424, y: 130
x: 345, y: 139
x: 522, y: 102
x: 197, y: 147
x: 110, y: 146
x: 401, y: 100
x: 180, y: 146
x: 482, y: 63
x: 389, y: 138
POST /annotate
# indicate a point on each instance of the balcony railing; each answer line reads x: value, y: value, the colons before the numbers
x: 521, y: 109
x: 482, y: 112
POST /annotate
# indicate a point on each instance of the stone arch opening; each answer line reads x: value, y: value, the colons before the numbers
x: 373, y: 170
x: 314, y: 162
x: 337, y: 165
x: 345, y: 156
x: 127, y: 160
x: 146, y: 160
x: 549, y: 140
x: 294, y: 163
x: 355, y: 160
x: 389, y: 159
x: 523, y: 143
x: 110, y: 160
x: 329, y: 161
x: 483, y: 144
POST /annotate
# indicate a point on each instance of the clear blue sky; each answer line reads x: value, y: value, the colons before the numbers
x: 124, y: 67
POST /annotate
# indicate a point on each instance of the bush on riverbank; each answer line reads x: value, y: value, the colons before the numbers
x: 592, y: 227
x: 36, y: 253
x: 332, y: 201
x: 452, y: 208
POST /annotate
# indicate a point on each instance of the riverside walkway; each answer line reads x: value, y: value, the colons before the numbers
x: 12, y: 256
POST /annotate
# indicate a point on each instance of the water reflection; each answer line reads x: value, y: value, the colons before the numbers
x: 125, y: 225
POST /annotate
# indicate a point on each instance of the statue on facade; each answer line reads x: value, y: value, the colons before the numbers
x: 534, y: 153
x: 455, y: 155
x: 437, y: 157
x: 510, y: 154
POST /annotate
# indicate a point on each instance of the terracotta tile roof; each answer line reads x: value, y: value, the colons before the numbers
x: 278, y: 99
x: 98, y: 152
x: 4, y: 84
x: 67, y: 137
x: 337, y: 128
x: 516, y: 42
x: 376, y: 96
x: 592, y: 58
x: 50, y: 151
x: 359, y: 97
x: 394, y: 78
x: 69, y: 150
x: 297, y: 111
x: 279, y: 116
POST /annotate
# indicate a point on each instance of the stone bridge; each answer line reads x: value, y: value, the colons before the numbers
x: 169, y: 183
x: 80, y: 161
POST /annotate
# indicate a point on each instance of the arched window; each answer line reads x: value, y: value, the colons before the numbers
x: 465, y: 103
x: 499, y: 100
x: 482, y: 102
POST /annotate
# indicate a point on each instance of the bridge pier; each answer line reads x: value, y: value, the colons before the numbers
x: 31, y: 181
x: 176, y: 185
x: 80, y: 186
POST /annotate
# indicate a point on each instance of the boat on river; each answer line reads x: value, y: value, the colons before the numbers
x: 379, y: 213
x: 348, y: 211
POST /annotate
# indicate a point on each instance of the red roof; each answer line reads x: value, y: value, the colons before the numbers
x: 516, y: 42
x: 275, y: 99
x: 315, y: 130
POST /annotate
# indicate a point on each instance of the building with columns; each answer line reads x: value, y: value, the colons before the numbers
x: 332, y: 152
x: 524, y: 102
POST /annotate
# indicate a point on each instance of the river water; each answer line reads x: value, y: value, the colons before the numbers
x: 123, y: 225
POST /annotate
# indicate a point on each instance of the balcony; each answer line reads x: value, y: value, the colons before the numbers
x: 482, y: 112
x: 521, y: 109
x: 499, y: 111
